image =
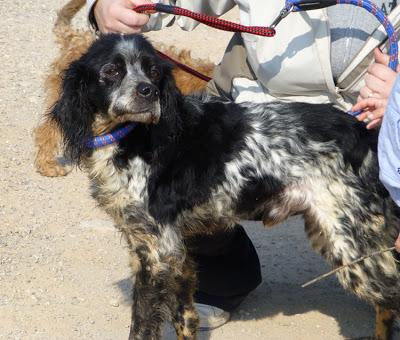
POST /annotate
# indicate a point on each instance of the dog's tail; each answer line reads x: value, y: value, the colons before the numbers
x: 65, y: 16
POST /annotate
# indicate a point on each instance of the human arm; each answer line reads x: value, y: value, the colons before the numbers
x: 118, y: 16
x: 389, y: 148
x: 389, y: 141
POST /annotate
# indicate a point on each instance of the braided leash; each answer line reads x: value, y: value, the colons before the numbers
x: 206, y: 19
x: 185, y: 67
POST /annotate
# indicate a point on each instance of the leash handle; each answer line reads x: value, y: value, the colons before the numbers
x: 308, y: 5
x: 208, y: 20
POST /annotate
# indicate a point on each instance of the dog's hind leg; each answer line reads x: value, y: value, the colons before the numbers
x: 383, y: 323
x: 346, y: 221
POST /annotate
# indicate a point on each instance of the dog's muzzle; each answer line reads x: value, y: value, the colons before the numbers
x: 141, y: 104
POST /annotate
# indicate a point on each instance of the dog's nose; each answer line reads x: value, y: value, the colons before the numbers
x: 147, y: 90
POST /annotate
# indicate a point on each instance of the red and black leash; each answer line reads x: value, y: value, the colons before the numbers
x: 208, y: 20
x: 185, y: 68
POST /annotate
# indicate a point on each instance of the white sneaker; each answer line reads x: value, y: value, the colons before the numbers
x: 211, y: 317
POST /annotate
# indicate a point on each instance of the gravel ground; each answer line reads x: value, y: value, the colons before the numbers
x: 63, y: 268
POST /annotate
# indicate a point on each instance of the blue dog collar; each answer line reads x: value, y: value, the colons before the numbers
x: 110, y: 138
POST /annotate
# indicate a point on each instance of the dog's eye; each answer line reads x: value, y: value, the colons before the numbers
x: 154, y: 72
x: 109, y: 71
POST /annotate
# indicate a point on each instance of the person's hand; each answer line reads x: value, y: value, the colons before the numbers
x: 397, y: 244
x: 374, y: 94
x: 373, y: 111
x: 117, y: 16
x: 379, y: 79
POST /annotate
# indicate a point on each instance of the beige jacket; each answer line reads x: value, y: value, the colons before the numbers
x: 292, y: 66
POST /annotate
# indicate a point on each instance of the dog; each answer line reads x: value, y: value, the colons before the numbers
x: 73, y: 43
x: 195, y: 164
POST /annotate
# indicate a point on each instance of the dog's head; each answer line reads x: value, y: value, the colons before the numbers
x: 120, y: 79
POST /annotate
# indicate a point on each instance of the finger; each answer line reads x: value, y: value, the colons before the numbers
x: 133, y: 19
x: 382, y: 72
x: 380, y: 57
x: 378, y: 113
x: 374, y: 84
x: 375, y: 118
x: 366, y: 92
x: 373, y: 103
x: 363, y: 116
x: 374, y: 124
x: 363, y: 104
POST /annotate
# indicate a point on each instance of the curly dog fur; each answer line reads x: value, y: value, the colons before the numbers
x: 194, y: 164
x: 72, y: 44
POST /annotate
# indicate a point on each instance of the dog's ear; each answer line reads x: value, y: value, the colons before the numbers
x: 170, y: 95
x: 74, y: 112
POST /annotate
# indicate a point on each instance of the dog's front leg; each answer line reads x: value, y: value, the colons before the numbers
x: 151, y: 300
x: 47, y: 139
x: 158, y: 258
x: 185, y: 318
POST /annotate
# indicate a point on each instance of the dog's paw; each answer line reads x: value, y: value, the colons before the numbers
x: 53, y: 169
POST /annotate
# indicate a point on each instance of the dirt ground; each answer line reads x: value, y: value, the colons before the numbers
x: 63, y: 268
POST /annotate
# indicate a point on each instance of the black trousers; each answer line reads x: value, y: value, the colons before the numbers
x: 228, y: 267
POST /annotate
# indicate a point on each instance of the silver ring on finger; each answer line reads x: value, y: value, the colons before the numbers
x: 371, y: 95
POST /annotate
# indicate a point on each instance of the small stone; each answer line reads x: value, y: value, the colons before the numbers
x: 114, y: 303
x: 75, y: 300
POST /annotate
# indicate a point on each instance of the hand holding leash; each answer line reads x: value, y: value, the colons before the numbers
x: 116, y: 16
x: 374, y: 94
x: 379, y: 79
x: 372, y: 111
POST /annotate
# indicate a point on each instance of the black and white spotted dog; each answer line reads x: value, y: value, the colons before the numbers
x: 196, y: 164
